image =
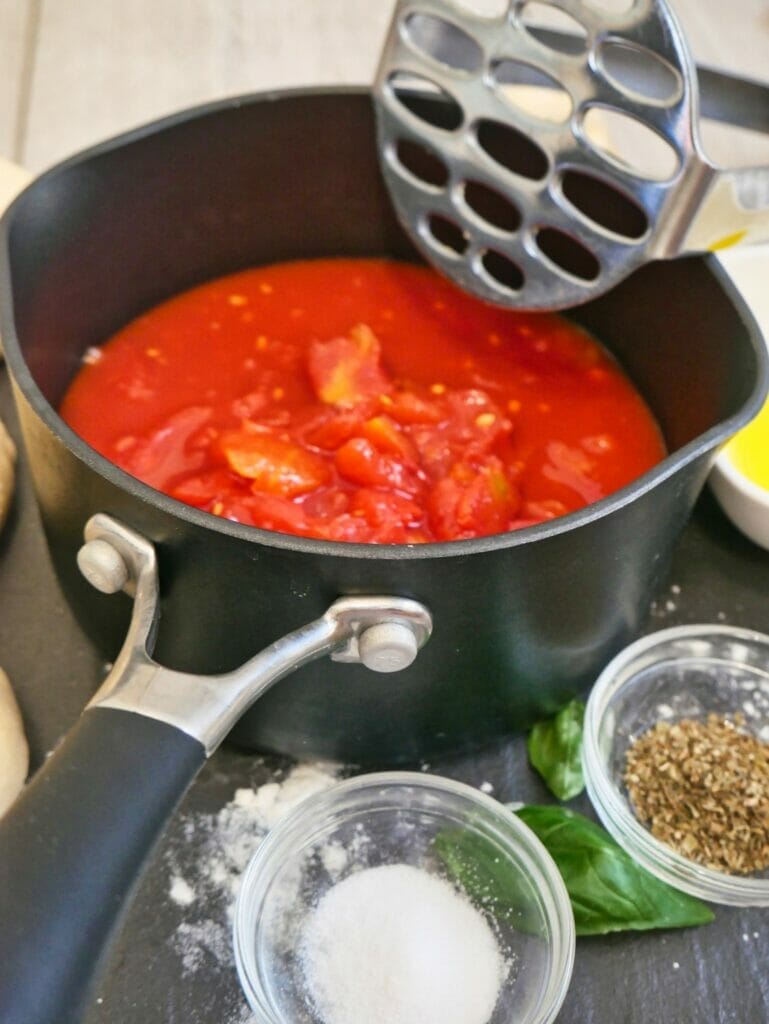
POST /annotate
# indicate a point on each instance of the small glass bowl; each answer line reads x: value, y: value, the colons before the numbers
x: 683, y: 672
x: 393, y: 818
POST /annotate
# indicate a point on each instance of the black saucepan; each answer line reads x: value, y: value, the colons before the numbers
x: 521, y: 620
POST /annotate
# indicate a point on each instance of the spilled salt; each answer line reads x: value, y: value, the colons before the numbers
x: 207, y: 862
x: 334, y: 858
x: 393, y: 943
x: 181, y: 892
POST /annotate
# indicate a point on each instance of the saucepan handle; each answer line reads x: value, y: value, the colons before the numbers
x: 73, y: 845
x: 71, y: 849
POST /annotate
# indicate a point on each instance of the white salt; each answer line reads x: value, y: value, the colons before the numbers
x: 181, y: 892
x: 206, y: 866
x: 394, y: 943
x: 334, y: 858
x: 202, y: 943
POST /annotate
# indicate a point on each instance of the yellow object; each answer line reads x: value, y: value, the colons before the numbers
x: 748, y: 450
x: 728, y: 241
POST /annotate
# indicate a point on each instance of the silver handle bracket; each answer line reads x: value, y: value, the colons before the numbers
x: 383, y: 633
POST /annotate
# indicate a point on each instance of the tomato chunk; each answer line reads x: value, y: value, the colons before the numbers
x: 347, y: 369
x: 356, y: 528
x: 169, y: 450
x: 570, y: 467
x: 407, y: 408
x: 271, y: 512
x: 387, y: 437
x: 334, y: 431
x: 273, y: 465
x: 471, y: 427
x: 384, y: 508
x: 472, y: 502
x: 206, y: 487
x: 359, y: 461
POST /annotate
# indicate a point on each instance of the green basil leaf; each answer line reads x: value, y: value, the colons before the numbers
x: 609, y: 892
x: 481, y: 868
x: 555, y: 750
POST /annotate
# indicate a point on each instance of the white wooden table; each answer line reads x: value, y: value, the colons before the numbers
x: 78, y: 71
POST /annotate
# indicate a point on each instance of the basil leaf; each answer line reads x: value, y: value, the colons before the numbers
x: 555, y: 750
x: 609, y: 892
x: 483, y: 871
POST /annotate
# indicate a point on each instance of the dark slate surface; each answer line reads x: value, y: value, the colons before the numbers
x: 717, y: 973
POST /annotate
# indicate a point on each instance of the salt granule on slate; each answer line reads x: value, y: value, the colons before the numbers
x: 394, y: 943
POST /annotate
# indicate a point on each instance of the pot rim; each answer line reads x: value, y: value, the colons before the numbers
x: 24, y: 381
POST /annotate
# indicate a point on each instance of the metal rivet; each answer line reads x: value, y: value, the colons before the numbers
x: 103, y: 566
x: 387, y: 647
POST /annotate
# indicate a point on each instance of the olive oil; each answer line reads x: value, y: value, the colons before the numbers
x: 749, y: 449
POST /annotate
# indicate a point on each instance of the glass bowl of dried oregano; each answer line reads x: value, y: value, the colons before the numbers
x: 676, y: 759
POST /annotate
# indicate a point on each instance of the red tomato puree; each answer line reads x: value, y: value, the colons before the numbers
x: 362, y: 400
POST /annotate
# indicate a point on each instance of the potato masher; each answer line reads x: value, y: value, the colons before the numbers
x: 540, y: 154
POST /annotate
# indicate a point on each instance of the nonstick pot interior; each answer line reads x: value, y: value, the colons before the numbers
x: 521, y: 620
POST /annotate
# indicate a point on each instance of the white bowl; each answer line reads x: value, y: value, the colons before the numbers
x: 746, y: 503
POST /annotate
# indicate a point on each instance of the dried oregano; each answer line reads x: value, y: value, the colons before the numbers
x: 702, y: 787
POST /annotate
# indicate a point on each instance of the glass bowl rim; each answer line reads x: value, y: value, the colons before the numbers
x: 613, y: 808
x: 543, y: 874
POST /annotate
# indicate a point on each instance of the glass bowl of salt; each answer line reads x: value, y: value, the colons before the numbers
x: 403, y: 897
x: 676, y: 759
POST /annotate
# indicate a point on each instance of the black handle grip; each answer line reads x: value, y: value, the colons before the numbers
x: 71, y: 849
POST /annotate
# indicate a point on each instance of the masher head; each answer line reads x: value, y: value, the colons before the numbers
x: 538, y: 164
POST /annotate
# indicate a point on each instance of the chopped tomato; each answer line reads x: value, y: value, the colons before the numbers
x: 387, y: 437
x: 326, y: 502
x: 268, y: 511
x: 347, y: 369
x: 359, y: 461
x: 335, y: 430
x: 533, y: 512
x: 472, y: 425
x: 384, y: 508
x: 169, y: 450
x: 571, y: 467
x: 273, y: 465
x: 205, y: 487
x: 474, y: 421
x: 407, y: 408
x: 472, y: 503
x: 285, y: 410
x: 541, y: 510
x: 356, y: 529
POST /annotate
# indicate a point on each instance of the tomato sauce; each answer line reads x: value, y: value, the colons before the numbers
x: 362, y: 400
